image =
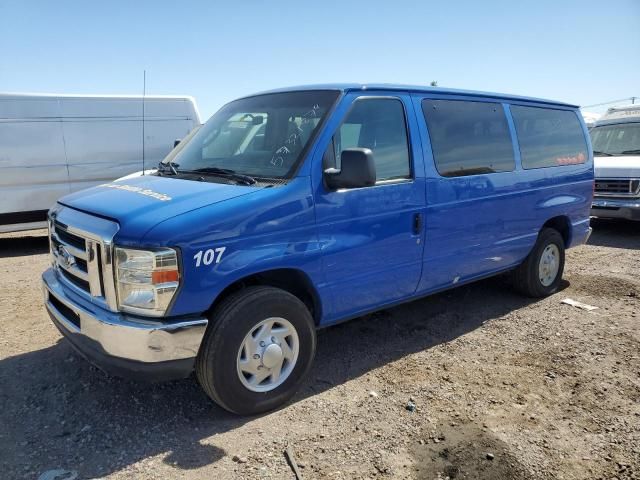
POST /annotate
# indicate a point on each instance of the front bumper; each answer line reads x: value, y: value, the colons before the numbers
x: 124, y: 345
x: 616, y: 208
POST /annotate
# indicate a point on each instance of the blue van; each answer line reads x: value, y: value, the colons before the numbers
x: 296, y: 209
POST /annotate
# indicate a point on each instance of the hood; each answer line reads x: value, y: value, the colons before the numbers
x: 140, y: 203
x: 621, y: 166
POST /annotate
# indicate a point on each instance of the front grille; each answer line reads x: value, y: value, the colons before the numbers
x: 617, y: 187
x: 77, y: 259
x: 71, y: 254
x: 81, y: 251
x: 77, y: 281
x: 69, y: 238
x: 82, y: 265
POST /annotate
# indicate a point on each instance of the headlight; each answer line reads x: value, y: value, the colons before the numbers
x: 146, y: 280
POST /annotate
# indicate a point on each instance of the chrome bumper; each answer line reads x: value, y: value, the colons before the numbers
x: 122, y: 344
x: 616, y: 208
x: 589, y: 232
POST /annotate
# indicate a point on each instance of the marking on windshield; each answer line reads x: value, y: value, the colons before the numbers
x: 277, y: 160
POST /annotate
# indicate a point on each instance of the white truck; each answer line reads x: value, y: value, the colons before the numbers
x: 52, y: 145
x: 616, y: 148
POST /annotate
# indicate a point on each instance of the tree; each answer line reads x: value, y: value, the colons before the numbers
x: 434, y: 83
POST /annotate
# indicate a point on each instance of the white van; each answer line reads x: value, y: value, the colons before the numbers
x: 616, y: 148
x: 52, y: 145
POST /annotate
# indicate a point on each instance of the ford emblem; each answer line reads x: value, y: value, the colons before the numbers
x: 65, y: 258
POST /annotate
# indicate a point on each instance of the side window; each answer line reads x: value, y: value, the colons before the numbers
x: 468, y: 138
x: 549, y: 138
x: 377, y: 124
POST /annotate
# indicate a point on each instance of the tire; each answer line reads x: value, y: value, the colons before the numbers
x: 227, y: 349
x: 527, y: 277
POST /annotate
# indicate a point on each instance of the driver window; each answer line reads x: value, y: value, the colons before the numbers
x: 378, y: 124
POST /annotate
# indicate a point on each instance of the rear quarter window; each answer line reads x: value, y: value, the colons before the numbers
x: 468, y: 138
x: 549, y: 138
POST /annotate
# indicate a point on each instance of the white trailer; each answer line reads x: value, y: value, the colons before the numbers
x: 52, y: 145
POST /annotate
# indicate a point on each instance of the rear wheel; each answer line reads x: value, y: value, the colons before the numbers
x: 257, y: 350
x: 541, y: 272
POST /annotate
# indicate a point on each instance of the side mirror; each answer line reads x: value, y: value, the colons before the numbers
x: 357, y: 169
x: 176, y: 142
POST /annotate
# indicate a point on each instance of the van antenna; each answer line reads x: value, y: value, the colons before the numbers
x: 144, y: 92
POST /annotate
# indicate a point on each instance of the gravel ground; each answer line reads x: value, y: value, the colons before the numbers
x: 503, y: 387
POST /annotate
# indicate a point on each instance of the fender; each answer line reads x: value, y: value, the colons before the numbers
x: 222, y: 244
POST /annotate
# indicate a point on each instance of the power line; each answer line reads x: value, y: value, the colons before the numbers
x: 633, y: 100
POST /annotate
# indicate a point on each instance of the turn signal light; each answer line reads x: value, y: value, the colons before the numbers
x: 164, y: 276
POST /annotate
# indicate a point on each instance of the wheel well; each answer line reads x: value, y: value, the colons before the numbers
x: 562, y: 225
x: 290, y: 280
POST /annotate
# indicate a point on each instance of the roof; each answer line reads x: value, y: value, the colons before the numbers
x: 623, y: 114
x: 20, y: 95
x: 349, y: 87
x: 54, y: 105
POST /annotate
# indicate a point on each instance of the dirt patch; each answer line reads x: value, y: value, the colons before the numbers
x: 466, y: 452
x: 606, y: 286
x: 551, y: 391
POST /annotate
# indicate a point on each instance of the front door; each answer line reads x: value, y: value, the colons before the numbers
x: 372, y: 237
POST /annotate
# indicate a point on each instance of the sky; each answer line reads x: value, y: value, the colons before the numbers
x: 579, y: 51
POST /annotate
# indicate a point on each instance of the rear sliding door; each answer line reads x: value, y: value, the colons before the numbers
x: 473, y: 201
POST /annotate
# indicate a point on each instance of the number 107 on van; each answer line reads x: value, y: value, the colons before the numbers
x: 207, y: 257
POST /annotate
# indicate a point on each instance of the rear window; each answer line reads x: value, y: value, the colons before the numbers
x: 468, y: 138
x: 549, y: 138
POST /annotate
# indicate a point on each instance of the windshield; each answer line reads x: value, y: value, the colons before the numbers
x: 263, y: 136
x: 619, y: 139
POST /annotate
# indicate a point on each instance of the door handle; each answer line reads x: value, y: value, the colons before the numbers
x: 417, y: 223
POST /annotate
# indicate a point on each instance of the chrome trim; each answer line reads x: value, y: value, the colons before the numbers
x: 76, y: 252
x: 615, y: 203
x: 616, y: 208
x: 630, y: 193
x: 108, y: 273
x: 97, y: 234
x: 121, y: 335
x: 72, y: 269
x: 93, y: 268
x: 589, y: 232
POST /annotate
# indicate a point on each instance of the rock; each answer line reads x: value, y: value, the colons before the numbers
x: 59, y: 475
x: 410, y: 406
x: 239, y: 459
x: 490, y: 456
x: 373, y: 394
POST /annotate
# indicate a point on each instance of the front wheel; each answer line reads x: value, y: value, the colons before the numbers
x: 257, y: 351
x: 541, y: 272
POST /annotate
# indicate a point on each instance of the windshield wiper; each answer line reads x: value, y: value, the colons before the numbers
x: 223, y: 172
x: 606, y: 154
x: 631, y: 152
x: 162, y: 167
